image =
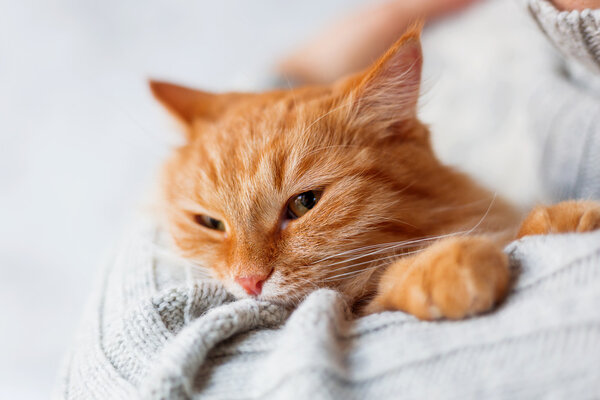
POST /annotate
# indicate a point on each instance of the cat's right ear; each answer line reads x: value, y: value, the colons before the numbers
x: 385, y: 96
x: 186, y: 104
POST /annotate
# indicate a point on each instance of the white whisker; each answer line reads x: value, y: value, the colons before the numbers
x: 376, y: 260
x: 396, y: 245
x: 484, y: 215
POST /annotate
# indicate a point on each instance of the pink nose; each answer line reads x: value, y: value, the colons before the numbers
x: 252, y: 284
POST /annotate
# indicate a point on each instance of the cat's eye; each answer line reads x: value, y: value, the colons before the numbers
x: 301, y: 203
x: 210, y: 222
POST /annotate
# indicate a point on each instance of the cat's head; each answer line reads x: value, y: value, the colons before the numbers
x: 282, y: 192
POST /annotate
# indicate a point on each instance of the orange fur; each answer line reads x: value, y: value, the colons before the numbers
x: 568, y: 216
x: 394, y: 228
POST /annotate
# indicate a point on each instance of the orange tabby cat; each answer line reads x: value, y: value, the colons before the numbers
x: 337, y: 186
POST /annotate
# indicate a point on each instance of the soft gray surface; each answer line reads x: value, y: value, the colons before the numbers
x: 565, y: 115
x: 154, y: 330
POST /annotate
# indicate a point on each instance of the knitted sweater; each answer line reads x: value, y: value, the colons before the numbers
x: 156, y: 329
x: 566, y: 117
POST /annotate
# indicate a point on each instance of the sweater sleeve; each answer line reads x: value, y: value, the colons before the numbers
x: 576, y: 34
x: 565, y: 106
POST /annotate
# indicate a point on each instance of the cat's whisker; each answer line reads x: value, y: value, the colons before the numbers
x: 360, y: 263
x: 346, y: 275
x: 397, y: 245
x: 376, y: 260
x: 356, y: 250
x: 350, y: 274
x: 484, y: 215
x: 406, y: 244
x: 456, y: 207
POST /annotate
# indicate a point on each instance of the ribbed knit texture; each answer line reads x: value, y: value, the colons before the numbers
x: 575, y: 33
x: 154, y: 331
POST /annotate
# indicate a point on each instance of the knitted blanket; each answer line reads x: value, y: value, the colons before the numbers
x: 155, y: 329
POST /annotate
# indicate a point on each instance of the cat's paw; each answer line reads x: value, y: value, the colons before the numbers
x: 567, y: 216
x: 465, y: 276
x: 453, y: 279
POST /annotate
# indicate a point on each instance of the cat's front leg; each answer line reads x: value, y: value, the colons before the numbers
x: 567, y: 216
x: 453, y: 278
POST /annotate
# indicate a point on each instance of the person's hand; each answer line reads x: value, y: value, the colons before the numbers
x: 566, y: 5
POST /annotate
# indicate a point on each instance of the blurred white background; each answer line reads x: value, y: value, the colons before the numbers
x: 81, y: 138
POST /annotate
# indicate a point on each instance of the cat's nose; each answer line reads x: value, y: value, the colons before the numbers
x: 252, y: 284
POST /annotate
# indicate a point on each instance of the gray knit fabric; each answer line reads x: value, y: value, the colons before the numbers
x: 155, y: 329
x: 565, y: 107
x: 575, y: 33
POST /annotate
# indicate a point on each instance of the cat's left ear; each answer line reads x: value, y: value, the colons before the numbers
x: 388, y: 92
x: 193, y: 105
x: 184, y: 103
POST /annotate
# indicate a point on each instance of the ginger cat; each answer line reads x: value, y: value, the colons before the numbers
x: 282, y: 192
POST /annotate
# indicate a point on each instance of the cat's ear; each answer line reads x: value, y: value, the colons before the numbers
x: 388, y: 92
x: 187, y: 104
